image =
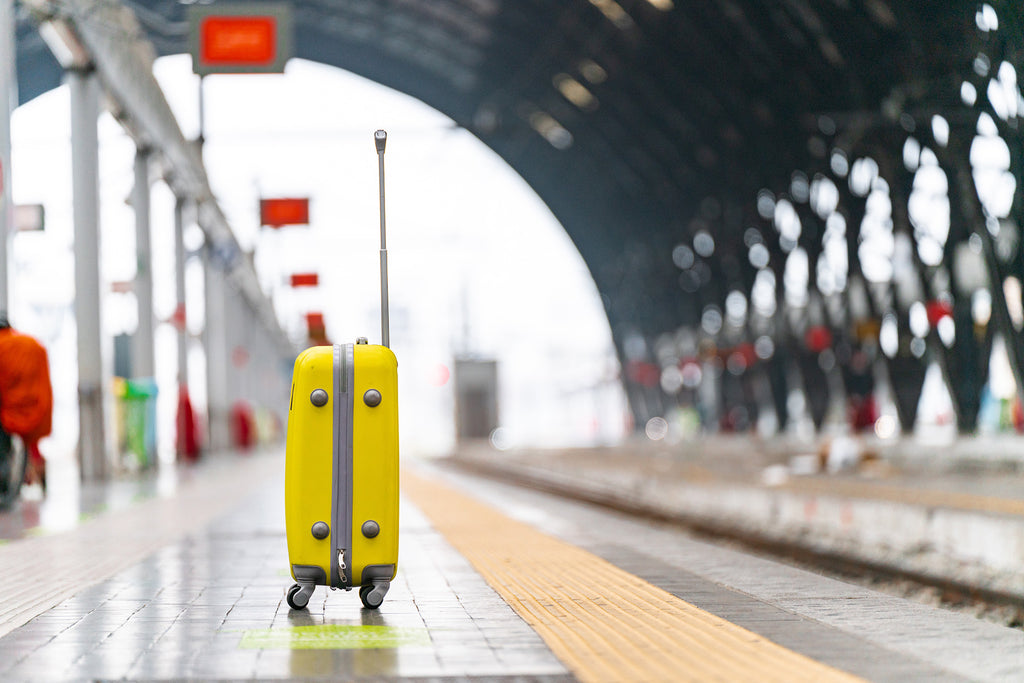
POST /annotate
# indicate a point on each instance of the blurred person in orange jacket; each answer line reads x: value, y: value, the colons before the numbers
x: 26, y: 396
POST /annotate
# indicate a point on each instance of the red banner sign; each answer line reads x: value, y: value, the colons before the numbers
x: 284, y: 211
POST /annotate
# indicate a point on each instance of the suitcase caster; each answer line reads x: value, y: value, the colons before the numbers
x: 299, y: 595
x: 372, y: 596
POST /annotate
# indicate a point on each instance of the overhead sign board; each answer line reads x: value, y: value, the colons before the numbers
x: 237, y: 38
x: 317, y: 331
x: 284, y: 211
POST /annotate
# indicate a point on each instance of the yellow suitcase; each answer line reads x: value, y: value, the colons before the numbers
x: 341, y: 462
x: 341, y: 471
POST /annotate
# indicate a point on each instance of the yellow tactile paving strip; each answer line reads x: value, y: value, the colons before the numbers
x: 603, y: 623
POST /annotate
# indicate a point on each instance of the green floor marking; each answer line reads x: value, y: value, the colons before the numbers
x: 333, y: 637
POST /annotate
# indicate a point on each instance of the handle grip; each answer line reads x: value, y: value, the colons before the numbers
x: 380, y: 139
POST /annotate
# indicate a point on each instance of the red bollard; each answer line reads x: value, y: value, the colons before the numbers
x: 187, y: 437
x: 243, y: 426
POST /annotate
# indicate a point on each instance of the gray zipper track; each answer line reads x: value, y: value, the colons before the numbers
x: 341, y: 503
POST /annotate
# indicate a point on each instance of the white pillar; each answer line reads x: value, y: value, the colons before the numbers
x: 215, y: 339
x: 239, y: 334
x: 85, y: 193
x: 144, y: 362
x: 8, y: 101
x: 179, y: 287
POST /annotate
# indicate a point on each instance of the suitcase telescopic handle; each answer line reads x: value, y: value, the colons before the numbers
x: 380, y: 139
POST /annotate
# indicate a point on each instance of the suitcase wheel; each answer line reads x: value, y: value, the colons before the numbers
x: 373, y: 595
x: 298, y: 598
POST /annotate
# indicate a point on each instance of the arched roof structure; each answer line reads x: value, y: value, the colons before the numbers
x: 646, y: 123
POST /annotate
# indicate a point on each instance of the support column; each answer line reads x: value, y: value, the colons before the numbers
x: 8, y: 101
x: 179, y: 289
x: 144, y: 365
x: 186, y: 439
x: 822, y: 388
x: 85, y: 193
x: 970, y: 354
x: 239, y: 316
x: 784, y: 362
x: 241, y: 350
x: 958, y: 160
x: 215, y: 339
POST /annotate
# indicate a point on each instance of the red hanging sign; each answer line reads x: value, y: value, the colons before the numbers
x: 315, y: 321
x: 284, y: 211
x: 239, y: 37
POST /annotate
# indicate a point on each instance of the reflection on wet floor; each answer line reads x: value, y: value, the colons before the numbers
x: 192, y: 586
x: 209, y: 602
x: 68, y: 501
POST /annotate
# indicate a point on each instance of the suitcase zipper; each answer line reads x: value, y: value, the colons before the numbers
x: 344, y: 366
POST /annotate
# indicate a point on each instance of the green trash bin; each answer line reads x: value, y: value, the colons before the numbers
x: 139, y: 403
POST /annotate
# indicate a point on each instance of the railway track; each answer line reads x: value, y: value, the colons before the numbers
x: 962, y: 594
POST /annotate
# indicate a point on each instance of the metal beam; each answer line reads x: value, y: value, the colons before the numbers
x: 123, y: 58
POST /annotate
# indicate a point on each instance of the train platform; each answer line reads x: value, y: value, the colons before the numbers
x: 950, y: 512
x: 181, y: 575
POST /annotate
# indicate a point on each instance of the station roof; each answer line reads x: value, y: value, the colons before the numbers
x: 639, y: 122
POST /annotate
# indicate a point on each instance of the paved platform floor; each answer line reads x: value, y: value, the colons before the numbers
x: 210, y: 605
x: 188, y: 582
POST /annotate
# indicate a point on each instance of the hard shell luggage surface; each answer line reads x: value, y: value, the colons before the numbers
x: 375, y: 477
x: 341, y: 471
